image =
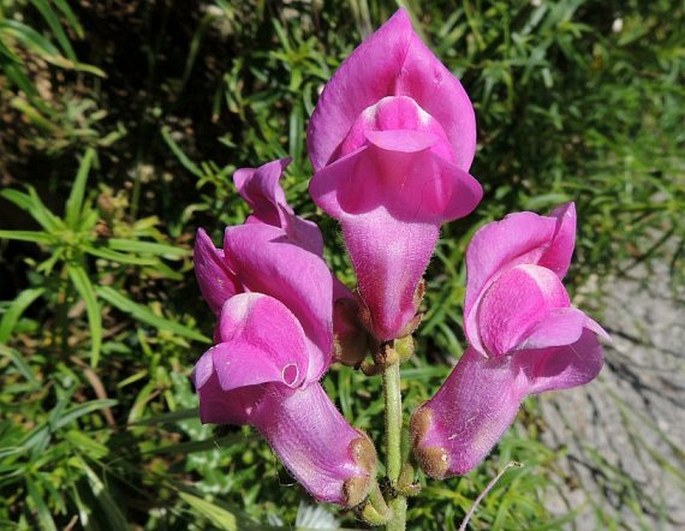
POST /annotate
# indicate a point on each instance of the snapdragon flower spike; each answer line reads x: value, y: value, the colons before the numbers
x: 524, y: 335
x: 391, y: 140
x: 274, y: 297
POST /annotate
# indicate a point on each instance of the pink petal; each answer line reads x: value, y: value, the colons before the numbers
x: 456, y: 429
x: 516, y: 302
x: 518, y: 238
x: 562, y: 367
x: 215, y: 278
x: 223, y: 407
x: 391, y: 62
x: 267, y: 262
x: 557, y: 256
x: 412, y: 186
x: 261, y: 341
x: 261, y: 190
x: 562, y: 326
x: 389, y: 257
x: 331, y: 459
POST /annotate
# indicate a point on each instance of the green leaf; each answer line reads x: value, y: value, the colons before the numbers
x: 63, y: 6
x: 26, y: 236
x: 55, y: 26
x: 114, y: 517
x: 42, y: 214
x: 44, y: 517
x: 16, y: 309
x: 82, y: 409
x: 20, y: 199
x: 219, y: 516
x: 142, y: 247
x: 20, y: 363
x: 180, y: 155
x: 114, y: 256
x: 144, y: 314
x: 29, y: 37
x: 82, y: 283
x: 83, y: 443
x: 74, y: 203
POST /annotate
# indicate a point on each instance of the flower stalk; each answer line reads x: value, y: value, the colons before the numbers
x: 393, y: 441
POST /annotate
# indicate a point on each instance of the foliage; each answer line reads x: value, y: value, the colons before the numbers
x: 101, y: 321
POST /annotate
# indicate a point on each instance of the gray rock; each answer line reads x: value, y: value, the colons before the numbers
x: 622, y: 437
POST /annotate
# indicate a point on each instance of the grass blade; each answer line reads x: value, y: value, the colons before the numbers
x: 82, y: 283
x: 145, y: 315
x: 26, y: 236
x: 75, y: 201
x: 16, y: 309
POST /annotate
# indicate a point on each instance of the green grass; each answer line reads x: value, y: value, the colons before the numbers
x: 122, y: 129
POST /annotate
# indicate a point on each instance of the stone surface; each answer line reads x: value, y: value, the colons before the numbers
x: 623, y: 436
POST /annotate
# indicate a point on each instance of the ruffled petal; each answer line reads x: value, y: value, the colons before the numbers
x: 413, y: 186
x: 267, y: 262
x: 215, y: 278
x: 557, y: 256
x: 261, y: 190
x: 562, y: 367
x: 261, y: 341
x: 391, y: 62
x: 516, y: 304
x: 218, y: 406
x: 331, y: 459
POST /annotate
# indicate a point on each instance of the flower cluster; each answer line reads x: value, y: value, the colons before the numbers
x: 391, y: 141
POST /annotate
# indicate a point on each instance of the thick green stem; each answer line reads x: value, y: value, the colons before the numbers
x: 393, y: 441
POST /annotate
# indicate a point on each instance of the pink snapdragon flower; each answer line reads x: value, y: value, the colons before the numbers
x: 273, y: 295
x: 524, y: 335
x: 391, y: 141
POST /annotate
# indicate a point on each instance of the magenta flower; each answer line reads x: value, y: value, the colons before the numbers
x: 524, y: 335
x: 274, y: 341
x: 391, y: 140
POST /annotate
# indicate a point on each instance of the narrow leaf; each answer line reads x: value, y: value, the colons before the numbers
x: 144, y: 314
x: 82, y: 283
x: 82, y: 409
x: 26, y: 236
x: 75, y: 201
x: 142, y: 247
x: 219, y: 516
x: 16, y: 309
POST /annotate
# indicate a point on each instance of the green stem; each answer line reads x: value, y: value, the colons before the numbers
x: 393, y: 441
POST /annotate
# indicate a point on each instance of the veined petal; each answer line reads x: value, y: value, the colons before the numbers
x: 413, y: 186
x: 515, y: 305
x: 389, y: 257
x: 331, y: 459
x: 562, y: 367
x: 267, y: 262
x: 261, y: 341
x: 216, y: 280
x: 218, y: 406
x: 391, y: 62
x: 457, y: 428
